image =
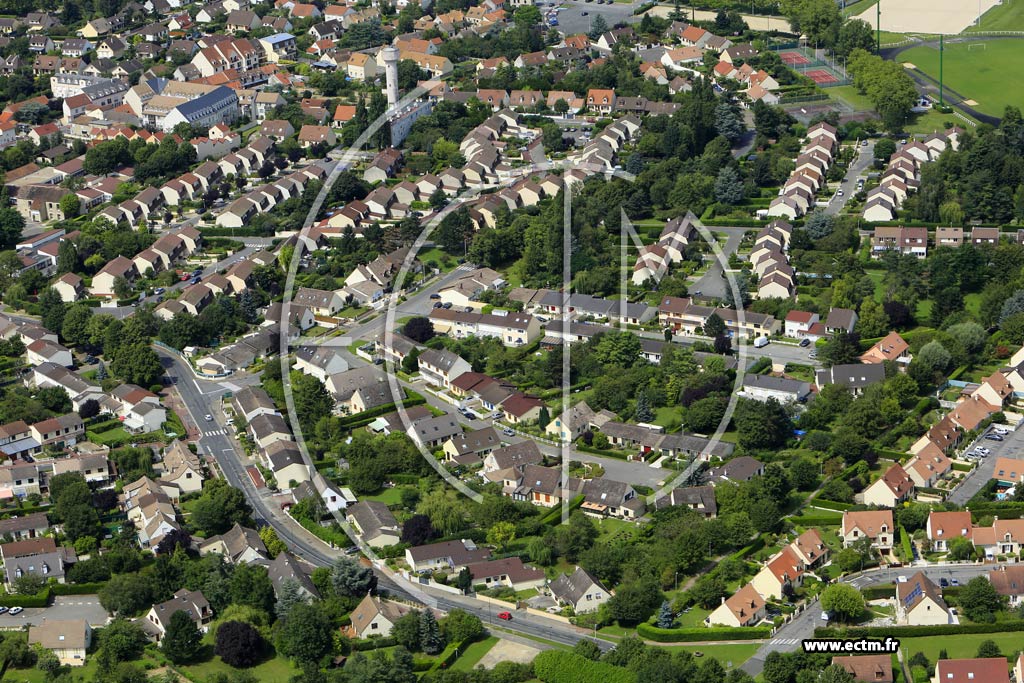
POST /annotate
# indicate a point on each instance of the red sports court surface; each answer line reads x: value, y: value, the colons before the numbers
x: 820, y: 76
x: 793, y: 58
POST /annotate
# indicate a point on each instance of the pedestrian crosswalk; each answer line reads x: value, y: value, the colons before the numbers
x: 785, y: 641
x: 215, y: 432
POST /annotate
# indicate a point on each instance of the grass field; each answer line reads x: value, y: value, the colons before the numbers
x: 1008, y: 16
x: 958, y: 646
x: 474, y: 653
x: 992, y: 76
x: 733, y: 655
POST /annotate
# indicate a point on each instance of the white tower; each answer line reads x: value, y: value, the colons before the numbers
x: 390, y: 56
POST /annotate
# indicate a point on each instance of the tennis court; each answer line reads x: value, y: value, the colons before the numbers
x: 817, y: 67
x: 793, y: 58
x: 821, y: 77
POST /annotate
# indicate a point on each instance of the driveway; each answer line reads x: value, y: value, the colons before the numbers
x: 1012, y: 447
x: 862, y: 162
x: 64, y: 607
x: 711, y: 284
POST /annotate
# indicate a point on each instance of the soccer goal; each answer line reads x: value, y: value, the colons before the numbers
x: 976, y: 46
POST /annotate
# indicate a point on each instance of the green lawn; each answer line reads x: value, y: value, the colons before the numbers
x: 615, y: 530
x: 392, y: 496
x: 729, y: 655
x: 438, y: 256
x: 109, y: 436
x: 474, y: 653
x: 958, y: 646
x: 849, y: 94
x: 931, y: 122
x: 1009, y: 16
x: 992, y: 76
x: 276, y: 669
x: 668, y: 417
x: 694, y: 618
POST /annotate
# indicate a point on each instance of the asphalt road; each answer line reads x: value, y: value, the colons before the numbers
x: 789, y: 637
x: 204, y: 398
x: 1011, y: 447
x: 711, y: 284
x: 861, y: 163
x: 64, y: 607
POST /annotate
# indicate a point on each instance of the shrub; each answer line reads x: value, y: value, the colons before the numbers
x: 690, y: 635
x: 557, y: 666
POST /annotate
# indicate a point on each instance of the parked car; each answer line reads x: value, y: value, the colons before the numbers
x: 805, y: 342
x: 982, y: 449
x: 159, y: 290
x: 954, y: 582
x: 435, y: 295
x: 16, y: 610
x: 506, y: 616
x: 993, y: 437
x: 508, y: 432
x: 438, y: 304
x: 901, y: 578
x: 944, y: 583
x: 446, y: 305
x: 2, y: 609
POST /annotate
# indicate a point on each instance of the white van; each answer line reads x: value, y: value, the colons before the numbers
x: 760, y: 342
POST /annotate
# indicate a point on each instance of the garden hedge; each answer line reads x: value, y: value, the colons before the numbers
x: 879, y: 592
x: 559, y: 666
x: 831, y: 504
x: 373, y: 643
x: 694, y: 635
x: 918, y: 631
x: 76, y: 588
x: 554, y: 515
x: 40, y: 599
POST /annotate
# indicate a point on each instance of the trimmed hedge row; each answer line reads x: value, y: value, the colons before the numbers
x: 918, y: 631
x: 40, y: 599
x: 757, y: 544
x: 76, y: 588
x: 373, y: 643
x: 816, y: 520
x: 559, y: 666
x: 554, y: 515
x: 597, y: 451
x: 831, y: 504
x: 367, y: 416
x: 879, y: 592
x: 693, y: 635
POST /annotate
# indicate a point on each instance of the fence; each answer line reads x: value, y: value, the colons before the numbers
x: 815, y: 65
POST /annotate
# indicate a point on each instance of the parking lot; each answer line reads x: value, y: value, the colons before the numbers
x: 577, y: 15
x: 64, y: 607
x: 1012, y: 446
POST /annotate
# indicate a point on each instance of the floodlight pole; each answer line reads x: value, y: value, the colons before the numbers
x: 878, y: 26
x: 941, y: 51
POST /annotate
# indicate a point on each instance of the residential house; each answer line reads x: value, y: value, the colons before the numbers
x: 605, y: 497
x: 440, y: 367
x: 919, y: 603
x: 579, y: 590
x: 893, y: 488
x: 1008, y: 580
x: 288, y: 568
x: 193, y: 603
x: 876, y: 525
x: 68, y: 639
x: 780, y: 575
x: 989, y: 670
x: 375, y: 523
x: 943, y: 527
x: 745, y: 607
x: 892, y: 347
x: 867, y: 668
x: 374, y: 617
x: 449, y: 556
x: 509, y: 572
x: 238, y: 545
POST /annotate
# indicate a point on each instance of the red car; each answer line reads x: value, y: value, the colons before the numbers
x: 507, y: 616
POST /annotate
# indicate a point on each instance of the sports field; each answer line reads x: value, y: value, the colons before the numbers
x: 927, y: 16
x: 1008, y: 16
x: 992, y: 76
